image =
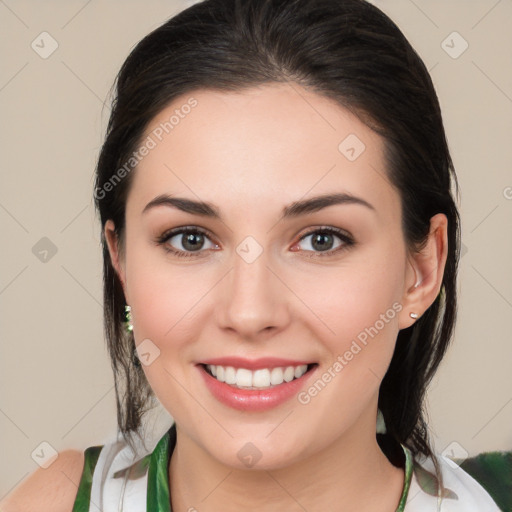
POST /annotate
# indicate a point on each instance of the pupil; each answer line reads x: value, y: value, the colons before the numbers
x: 189, y: 241
x: 322, y: 240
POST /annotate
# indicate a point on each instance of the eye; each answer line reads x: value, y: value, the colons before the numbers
x: 189, y: 241
x: 322, y: 242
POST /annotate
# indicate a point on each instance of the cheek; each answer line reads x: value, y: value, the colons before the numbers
x: 346, y: 303
x: 153, y: 300
x: 163, y: 310
x: 359, y: 307
x: 361, y: 313
x: 169, y: 301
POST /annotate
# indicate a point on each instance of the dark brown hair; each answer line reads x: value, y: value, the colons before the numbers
x: 347, y: 50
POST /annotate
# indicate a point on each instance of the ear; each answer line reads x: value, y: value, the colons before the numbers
x: 424, y: 272
x: 116, y: 257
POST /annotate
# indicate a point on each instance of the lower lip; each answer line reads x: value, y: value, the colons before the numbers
x: 253, y: 399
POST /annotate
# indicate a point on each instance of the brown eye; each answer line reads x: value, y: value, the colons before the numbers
x: 184, y: 242
x: 323, y: 241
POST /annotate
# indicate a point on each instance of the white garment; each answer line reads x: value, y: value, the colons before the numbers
x: 472, y: 497
x: 119, y: 484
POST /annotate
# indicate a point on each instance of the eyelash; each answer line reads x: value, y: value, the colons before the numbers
x: 347, y: 240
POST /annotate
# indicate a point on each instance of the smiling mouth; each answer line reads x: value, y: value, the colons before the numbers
x: 263, y: 378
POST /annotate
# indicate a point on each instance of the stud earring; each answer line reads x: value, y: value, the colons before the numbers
x: 413, y: 315
x: 128, y: 318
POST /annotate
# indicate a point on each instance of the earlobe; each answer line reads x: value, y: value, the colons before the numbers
x: 113, y: 248
x: 425, y: 270
x: 411, y: 301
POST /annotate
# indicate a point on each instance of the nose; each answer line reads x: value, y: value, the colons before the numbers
x: 253, y: 301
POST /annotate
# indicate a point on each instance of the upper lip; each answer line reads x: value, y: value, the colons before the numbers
x: 254, y: 364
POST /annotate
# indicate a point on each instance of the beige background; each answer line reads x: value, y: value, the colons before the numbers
x: 55, y: 379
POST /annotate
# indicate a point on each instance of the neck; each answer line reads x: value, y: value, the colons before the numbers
x: 352, y: 472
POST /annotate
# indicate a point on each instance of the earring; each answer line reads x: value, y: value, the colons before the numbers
x: 128, y: 318
x: 413, y: 315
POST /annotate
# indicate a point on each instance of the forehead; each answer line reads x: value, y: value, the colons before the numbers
x: 270, y: 145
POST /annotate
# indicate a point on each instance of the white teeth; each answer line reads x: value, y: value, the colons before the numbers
x: 229, y: 375
x: 261, y: 378
x: 299, y: 372
x: 289, y: 373
x: 243, y: 378
x: 276, y: 376
x: 257, y: 379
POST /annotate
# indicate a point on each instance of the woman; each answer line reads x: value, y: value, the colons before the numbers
x: 280, y: 249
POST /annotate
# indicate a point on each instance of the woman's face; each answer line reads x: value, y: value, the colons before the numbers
x: 260, y: 284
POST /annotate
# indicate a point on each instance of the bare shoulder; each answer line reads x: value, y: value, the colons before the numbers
x: 52, y: 489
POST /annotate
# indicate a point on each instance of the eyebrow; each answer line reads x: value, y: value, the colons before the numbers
x: 292, y: 210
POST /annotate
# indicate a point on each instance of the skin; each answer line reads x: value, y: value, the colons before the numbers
x: 51, y: 489
x: 251, y: 154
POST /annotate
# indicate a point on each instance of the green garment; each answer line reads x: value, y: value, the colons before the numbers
x: 493, y: 471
